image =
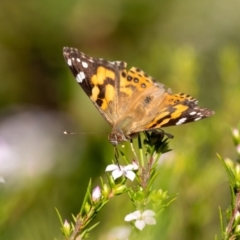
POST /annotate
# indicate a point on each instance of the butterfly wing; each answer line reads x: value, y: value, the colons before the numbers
x: 99, y: 79
x: 178, y: 109
x: 151, y: 106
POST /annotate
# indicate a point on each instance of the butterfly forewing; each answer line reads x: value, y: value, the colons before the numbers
x: 98, y: 78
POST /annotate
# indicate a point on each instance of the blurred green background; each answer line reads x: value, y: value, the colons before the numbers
x: 190, y: 46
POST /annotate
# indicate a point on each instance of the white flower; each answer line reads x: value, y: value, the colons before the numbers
x: 141, y: 219
x: 118, y: 171
x: 96, y: 194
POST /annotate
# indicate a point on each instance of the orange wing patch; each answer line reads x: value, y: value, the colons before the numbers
x: 134, y: 79
x: 103, y: 90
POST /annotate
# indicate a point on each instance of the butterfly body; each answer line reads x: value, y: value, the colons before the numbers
x: 131, y: 101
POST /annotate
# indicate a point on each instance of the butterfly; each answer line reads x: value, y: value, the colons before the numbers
x: 131, y: 101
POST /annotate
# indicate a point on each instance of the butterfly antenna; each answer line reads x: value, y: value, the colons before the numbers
x: 82, y: 133
x: 69, y: 133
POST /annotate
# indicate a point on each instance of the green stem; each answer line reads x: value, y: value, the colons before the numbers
x: 140, y: 151
x: 230, y: 227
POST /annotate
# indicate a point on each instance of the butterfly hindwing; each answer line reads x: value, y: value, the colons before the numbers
x: 184, y: 109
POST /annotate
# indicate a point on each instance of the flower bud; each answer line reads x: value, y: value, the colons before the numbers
x: 66, y: 228
x: 120, y: 189
x: 238, y: 149
x: 237, y: 216
x: 96, y: 194
x: 106, y: 190
x: 87, y: 207
x: 235, y: 134
x: 237, y: 229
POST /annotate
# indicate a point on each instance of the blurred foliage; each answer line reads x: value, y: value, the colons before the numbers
x: 190, y: 46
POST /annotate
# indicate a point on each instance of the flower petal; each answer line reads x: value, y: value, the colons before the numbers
x: 140, y: 224
x: 130, y: 175
x: 132, y: 216
x: 128, y: 167
x: 111, y: 167
x: 117, y: 173
x: 135, y: 165
x: 150, y: 220
x: 148, y: 213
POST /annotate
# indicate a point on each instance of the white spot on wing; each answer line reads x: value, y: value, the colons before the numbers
x: 78, y: 60
x: 69, y: 62
x: 80, y: 77
x: 84, y: 64
x: 180, y: 121
x: 196, y: 119
x: 192, y: 113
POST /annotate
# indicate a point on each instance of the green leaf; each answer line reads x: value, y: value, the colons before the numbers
x: 86, y: 197
x: 221, y: 222
x: 59, y: 216
x: 228, y: 170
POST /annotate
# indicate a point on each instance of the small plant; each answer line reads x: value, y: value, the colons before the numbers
x: 232, y: 230
x: 147, y: 201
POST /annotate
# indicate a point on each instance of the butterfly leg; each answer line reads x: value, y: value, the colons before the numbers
x: 116, y: 155
x: 168, y: 135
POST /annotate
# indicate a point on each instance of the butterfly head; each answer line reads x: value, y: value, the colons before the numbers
x: 117, y: 136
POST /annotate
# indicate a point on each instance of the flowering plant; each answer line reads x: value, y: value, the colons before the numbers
x: 232, y: 230
x: 142, y: 171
